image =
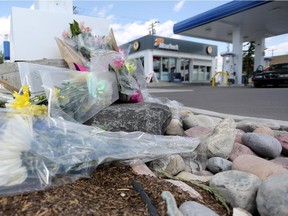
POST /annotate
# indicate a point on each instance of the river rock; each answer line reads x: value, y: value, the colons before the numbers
x: 238, y: 188
x: 175, y: 128
x: 192, y: 165
x: 171, y: 164
x: 198, y: 132
x: 257, y: 166
x: 146, y: 117
x: 239, y: 134
x: 283, y: 139
x: 218, y: 164
x: 187, y: 176
x: 191, y: 208
x: 272, y: 199
x: 264, y: 145
x: 192, y: 192
x: 220, y: 142
x: 283, y: 161
x: 250, y: 124
x: 240, y: 149
x: 264, y: 130
x: 200, y: 120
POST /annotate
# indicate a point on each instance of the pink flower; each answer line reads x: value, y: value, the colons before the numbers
x: 66, y: 34
x: 119, y: 62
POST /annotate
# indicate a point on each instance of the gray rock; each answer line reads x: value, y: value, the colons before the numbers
x: 146, y: 117
x: 264, y: 145
x: 249, y: 125
x: 171, y: 164
x: 191, y: 208
x: 192, y: 165
x: 200, y: 120
x: 172, y: 209
x: 220, y: 142
x: 272, y: 199
x: 238, y: 188
x: 187, y: 176
x: 218, y: 164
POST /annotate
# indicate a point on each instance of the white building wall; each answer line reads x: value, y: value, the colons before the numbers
x: 33, y: 32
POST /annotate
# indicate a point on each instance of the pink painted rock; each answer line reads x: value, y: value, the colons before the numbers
x: 198, y: 132
x: 257, y: 166
x: 264, y: 130
x: 239, y: 134
x: 283, y: 139
x: 240, y: 149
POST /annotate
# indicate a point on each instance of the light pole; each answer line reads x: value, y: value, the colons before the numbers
x: 153, y: 24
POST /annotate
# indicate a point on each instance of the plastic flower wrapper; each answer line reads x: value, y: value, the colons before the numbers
x: 71, y: 95
x: 129, y: 89
x: 37, y: 153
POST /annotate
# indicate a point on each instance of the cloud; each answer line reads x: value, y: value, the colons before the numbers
x: 133, y: 30
x: 279, y: 49
x: 179, y: 5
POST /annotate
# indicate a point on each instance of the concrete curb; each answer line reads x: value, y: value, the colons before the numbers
x: 282, y: 124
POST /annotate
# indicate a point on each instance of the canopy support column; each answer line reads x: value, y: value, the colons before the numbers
x: 237, y: 49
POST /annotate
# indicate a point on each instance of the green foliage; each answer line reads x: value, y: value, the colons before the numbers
x: 74, y: 28
x: 248, y: 58
x: 1, y: 57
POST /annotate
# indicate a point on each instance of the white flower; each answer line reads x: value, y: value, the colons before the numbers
x: 16, y: 138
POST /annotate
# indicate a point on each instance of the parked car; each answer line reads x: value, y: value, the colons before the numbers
x: 275, y: 75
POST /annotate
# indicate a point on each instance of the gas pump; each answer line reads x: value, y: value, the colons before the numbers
x: 229, y: 67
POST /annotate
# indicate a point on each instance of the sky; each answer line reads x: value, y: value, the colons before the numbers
x: 131, y: 19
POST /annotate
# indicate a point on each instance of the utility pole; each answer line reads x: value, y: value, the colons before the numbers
x: 153, y: 30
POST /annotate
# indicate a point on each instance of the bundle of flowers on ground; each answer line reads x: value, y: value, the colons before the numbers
x: 39, y: 152
x: 91, y: 48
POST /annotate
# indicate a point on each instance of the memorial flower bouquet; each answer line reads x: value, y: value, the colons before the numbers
x: 105, y: 48
x: 40, y: 152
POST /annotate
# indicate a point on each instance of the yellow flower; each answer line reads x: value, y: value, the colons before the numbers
x: 22, y: 102
x: 130, y: 67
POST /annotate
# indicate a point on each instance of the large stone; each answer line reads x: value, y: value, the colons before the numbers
x: 171, y: 164
x: 240, y: 149
x: 239, y: 134
x: 146, y: 117
x: 238, y: 188
x: 272, y: 199
x: 257, y: 166
x: 218, y: 164
x: 220, y: 142
x: 283, y: 139
x: 266, y: 146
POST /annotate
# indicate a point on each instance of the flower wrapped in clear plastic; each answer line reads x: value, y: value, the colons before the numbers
x: 40, y: 152
x: 70, y: 95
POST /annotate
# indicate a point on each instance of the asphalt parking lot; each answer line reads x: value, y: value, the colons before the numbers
x: 271, y: 103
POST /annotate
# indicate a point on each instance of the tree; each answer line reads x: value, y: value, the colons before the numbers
x: 1, y: 57
x: 248, y: 58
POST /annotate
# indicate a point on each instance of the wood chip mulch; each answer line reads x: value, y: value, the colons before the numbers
x: 108, y: 192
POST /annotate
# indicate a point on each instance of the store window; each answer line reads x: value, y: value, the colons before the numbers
x: 184, y: 69
x: 157, y: 66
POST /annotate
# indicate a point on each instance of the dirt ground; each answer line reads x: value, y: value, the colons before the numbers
x: 109, y: 191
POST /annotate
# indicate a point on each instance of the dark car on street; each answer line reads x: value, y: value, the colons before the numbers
x: 276, y: 75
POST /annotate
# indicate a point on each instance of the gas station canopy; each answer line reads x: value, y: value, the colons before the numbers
x: 258, y: 17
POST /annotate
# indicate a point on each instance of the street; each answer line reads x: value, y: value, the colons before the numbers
x: 271, y: 103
